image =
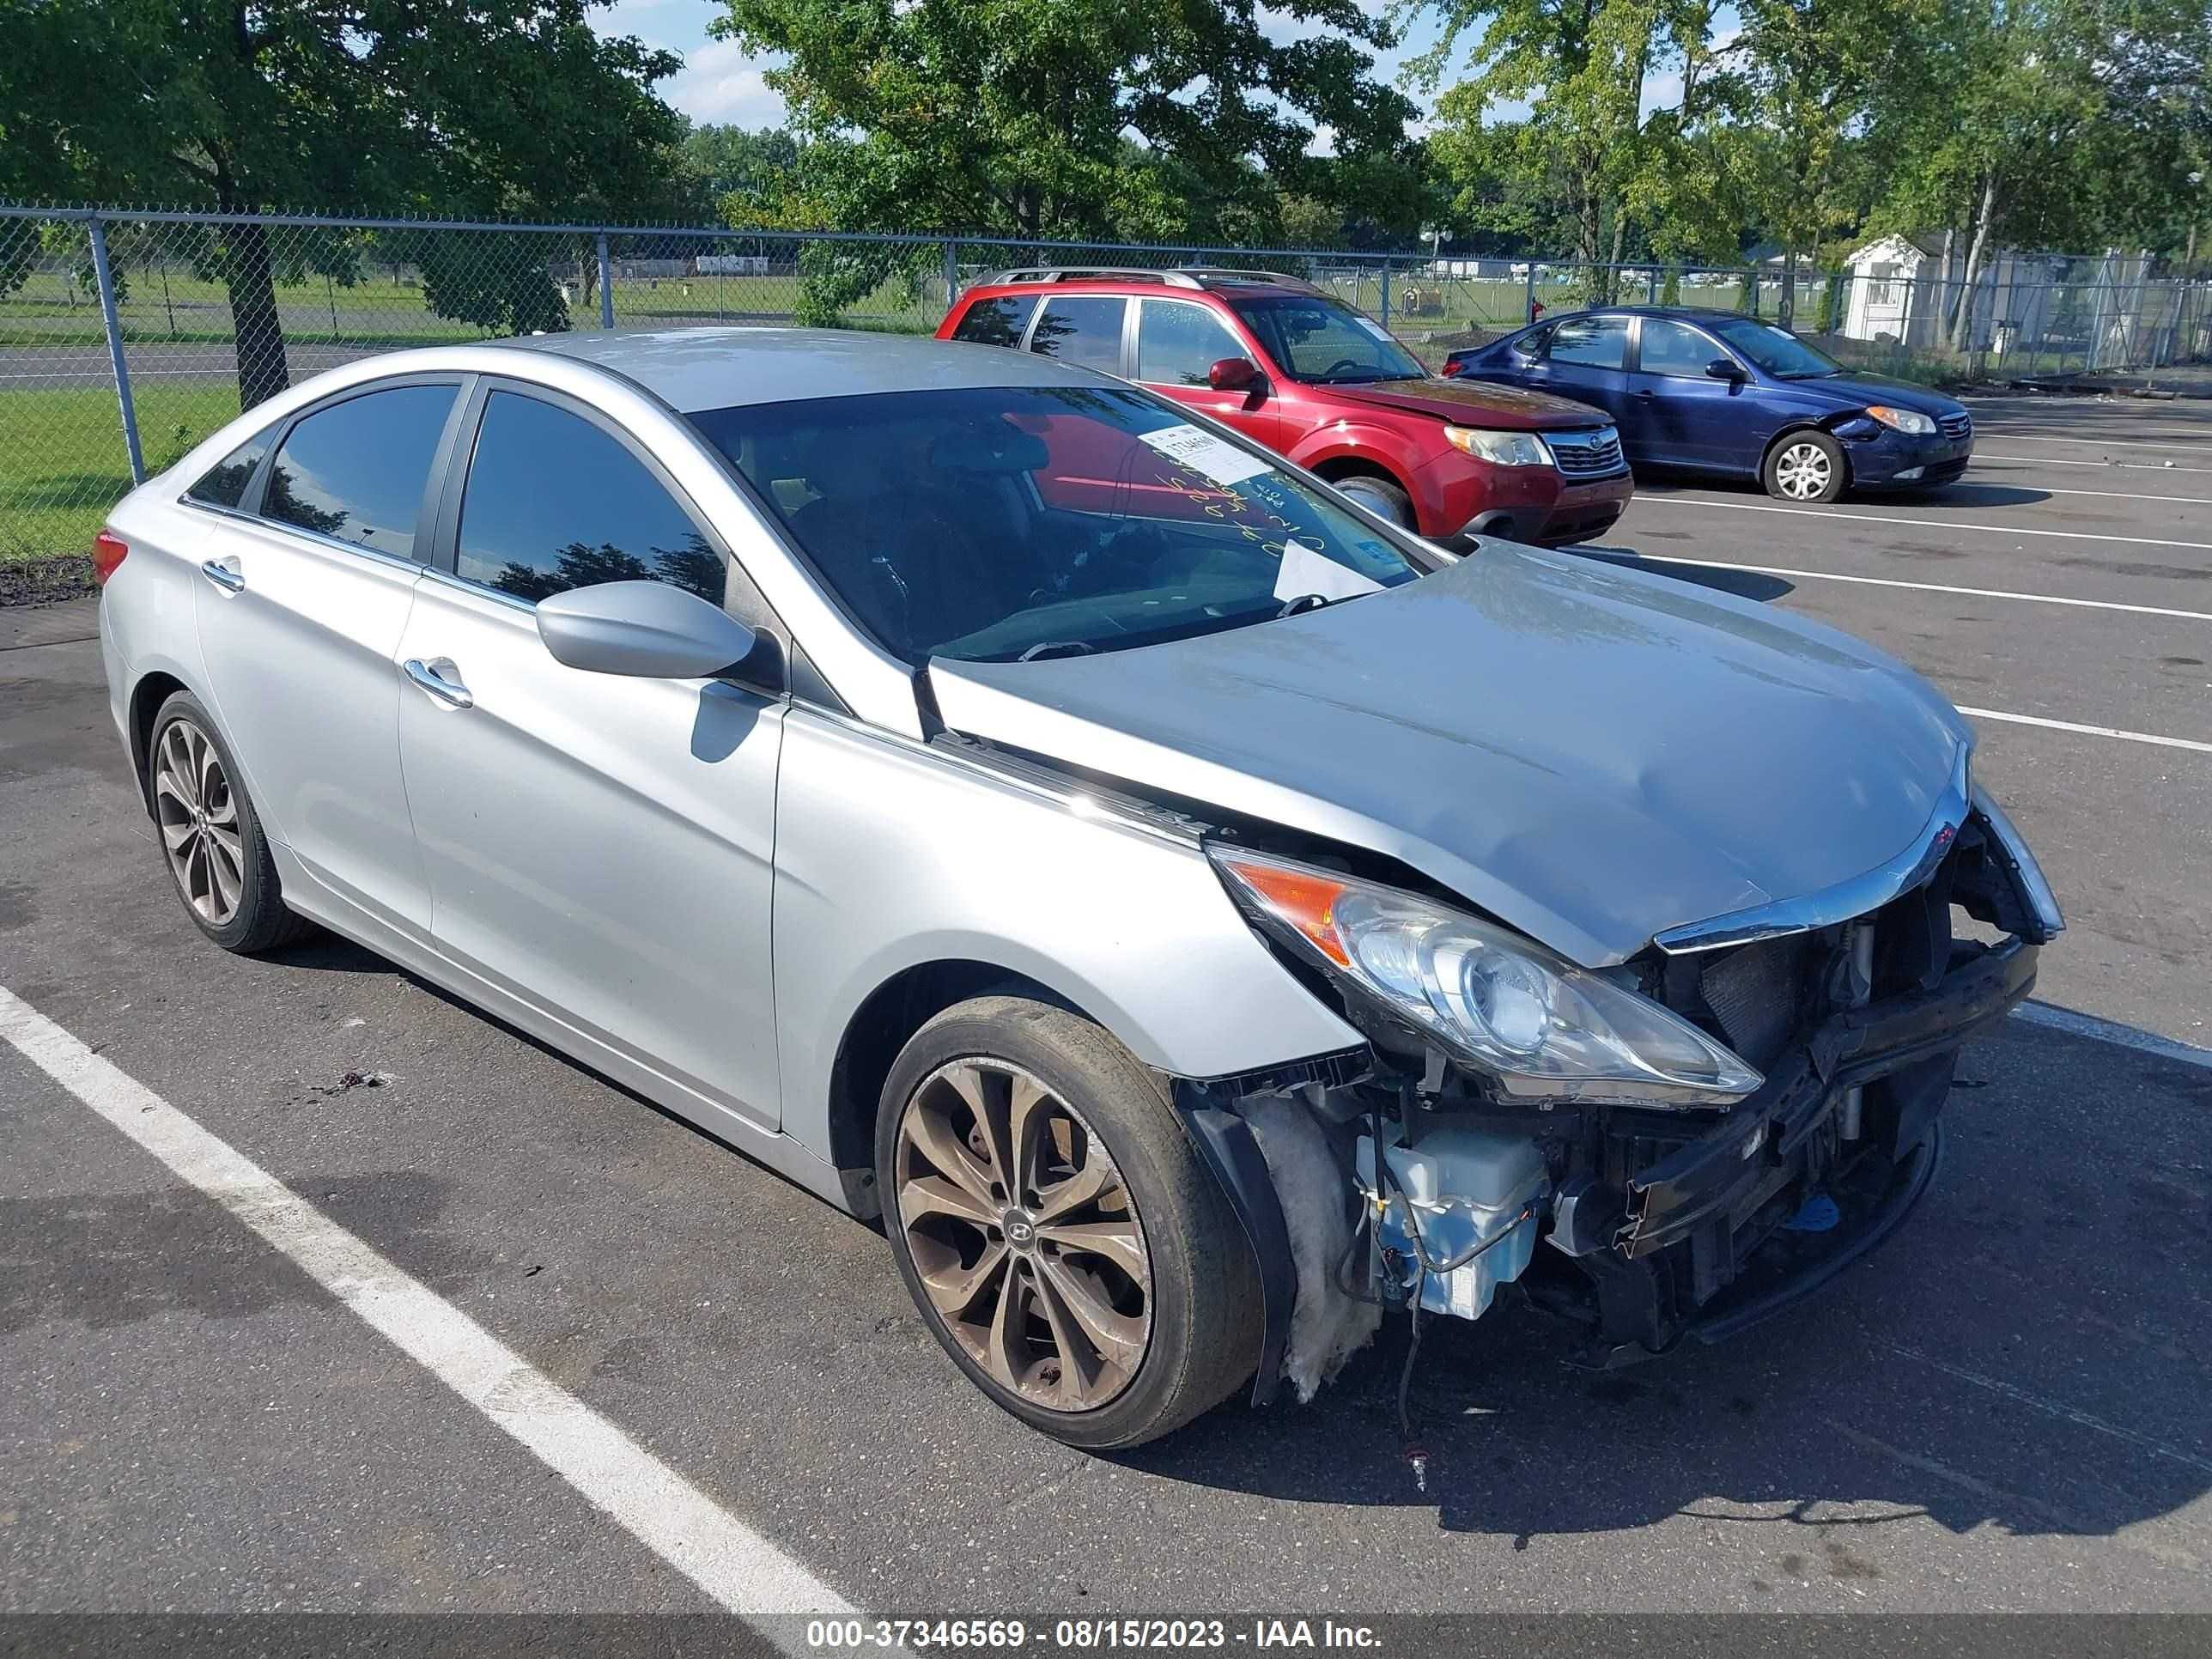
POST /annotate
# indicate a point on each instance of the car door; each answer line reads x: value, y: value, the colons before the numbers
x: 308, y: 586
x: 1676, y: 414
x: 1178, y: 343
x: 599, y: 848
x: 1587, y: 359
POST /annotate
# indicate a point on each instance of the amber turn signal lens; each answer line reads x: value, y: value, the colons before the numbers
x: 1300, y: 897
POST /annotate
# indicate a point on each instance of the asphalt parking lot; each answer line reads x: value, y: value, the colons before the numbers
x: 2002, y: 1410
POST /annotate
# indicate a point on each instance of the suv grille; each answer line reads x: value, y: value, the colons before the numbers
x: 1957, y: 428
x: 1586, y: 454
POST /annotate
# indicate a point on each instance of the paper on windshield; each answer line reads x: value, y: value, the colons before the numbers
x: 1206, y: 454
x: 1373, y: 327
x: 1308, y: 570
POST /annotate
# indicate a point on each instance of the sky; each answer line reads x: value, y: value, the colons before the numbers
x: 721, y: 84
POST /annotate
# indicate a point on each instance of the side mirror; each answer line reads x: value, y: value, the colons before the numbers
x: 1724, y: 368
x: 1236, y: 374
x: 649, y: 630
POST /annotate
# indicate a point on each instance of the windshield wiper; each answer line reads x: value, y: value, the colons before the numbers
x: 1044, y: 648
x: 1298, y: 602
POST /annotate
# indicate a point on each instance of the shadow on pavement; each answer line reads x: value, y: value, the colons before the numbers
x: 1745, y: 584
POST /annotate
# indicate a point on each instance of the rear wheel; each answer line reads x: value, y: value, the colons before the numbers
x: 1805, y: 466
x: 211, y: 837
x: 1379, y: 496
x: 1056, y: 1227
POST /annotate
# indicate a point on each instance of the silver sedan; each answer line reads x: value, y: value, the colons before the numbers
x: 1197, y: 917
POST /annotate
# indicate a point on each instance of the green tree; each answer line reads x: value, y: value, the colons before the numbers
x: 1020, y: 116
x: 374, y: 105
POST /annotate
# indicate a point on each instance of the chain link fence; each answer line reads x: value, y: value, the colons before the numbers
x: 128, y: 336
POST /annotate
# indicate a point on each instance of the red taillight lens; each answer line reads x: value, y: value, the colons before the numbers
x: 108, y: 551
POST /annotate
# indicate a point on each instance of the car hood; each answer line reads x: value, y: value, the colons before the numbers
x: 1474, y: 404
x: 1591, y: 754
x: 1856, y: 391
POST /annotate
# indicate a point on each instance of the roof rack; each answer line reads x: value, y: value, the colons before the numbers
x: 1229, y: 274
x: 1089, y: 273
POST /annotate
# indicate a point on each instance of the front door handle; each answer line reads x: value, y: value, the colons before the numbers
x: 224, y: 575
x: 436, y: 683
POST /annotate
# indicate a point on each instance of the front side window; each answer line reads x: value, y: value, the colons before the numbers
x: 1591, y: 342
x: 356, y: 471
x: 1178, y: 343
x: 994, y: 524
x: 1672, y: 347
x: 997, y: 322
x: 554, y: 502
x: 1324, y: 342
x: 224, y: 484
x: 1082, y: 329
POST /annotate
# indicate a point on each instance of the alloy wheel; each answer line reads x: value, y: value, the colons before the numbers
x: 1024, y: 1234
x: 1803, y: 469
x: 197, y: 817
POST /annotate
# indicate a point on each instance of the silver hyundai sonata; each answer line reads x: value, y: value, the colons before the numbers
x: 1199, y: 919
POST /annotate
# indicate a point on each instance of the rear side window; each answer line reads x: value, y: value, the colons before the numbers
x: 553, y: 502
x: 1177, y: 342
x: 224, y: 484
x: 356, y: 470
x: 997, y: 322
x: 1593, y: 342
x: 1672, y: 347
x: 1082, y: 329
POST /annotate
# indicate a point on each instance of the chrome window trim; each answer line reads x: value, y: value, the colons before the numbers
x: 313, y: 538
x: 1846, y: 900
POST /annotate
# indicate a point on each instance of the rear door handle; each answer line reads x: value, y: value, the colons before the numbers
x: 224, y: 575
x: 431, y: 679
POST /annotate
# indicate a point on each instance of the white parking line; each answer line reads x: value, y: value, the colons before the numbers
x: 1924, y: 587
x: 1922, y: 524
x: 2055, y: 460
x: 736, y: 1566
x: 2087, y: 731
x: 2106, y: 1030
x: 2022, y: 434
x: 2102, y: 495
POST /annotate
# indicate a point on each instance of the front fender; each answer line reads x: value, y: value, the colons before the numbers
x: 891, y: 854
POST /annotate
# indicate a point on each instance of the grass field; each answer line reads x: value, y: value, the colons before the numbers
x: 63, y: 463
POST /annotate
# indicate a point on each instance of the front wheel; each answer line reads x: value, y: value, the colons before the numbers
x: 1805, y: 466
x: 1057, y: 1228
x: 1381, y: 497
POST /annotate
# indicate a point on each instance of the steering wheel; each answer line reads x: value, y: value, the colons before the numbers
x: 1342, y: 362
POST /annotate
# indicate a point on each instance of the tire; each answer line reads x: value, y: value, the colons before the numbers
x: 1807, y: 467
x: 209, y: 832
x: 1379, y: 496
x: 1183, y: 1311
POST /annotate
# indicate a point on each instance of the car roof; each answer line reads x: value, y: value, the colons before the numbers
x: 695, y: 369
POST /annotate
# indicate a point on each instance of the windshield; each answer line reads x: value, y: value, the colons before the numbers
x: 1776, y: 350
x: 992, y: 524
x: 1324, y: 342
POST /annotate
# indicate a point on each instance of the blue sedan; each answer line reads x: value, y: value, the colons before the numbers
x: 1718, y: 391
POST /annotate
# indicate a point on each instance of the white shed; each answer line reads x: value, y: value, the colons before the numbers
x: 1899, y: 291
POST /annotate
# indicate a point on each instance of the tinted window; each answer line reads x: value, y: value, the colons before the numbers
x: 994, y: 523
x: 1671, y: 347
x: 997, y: 322
x: 1593, y: 342
x: 224, y: 485
x: 356, y: 471
x: 1177, y: 343
x: 553, y: 503
x: 1085, y: 330
x: 1532, y: 344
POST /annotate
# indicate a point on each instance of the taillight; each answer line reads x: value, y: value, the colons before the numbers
x: 1452, y: 369
x: 108, y: 551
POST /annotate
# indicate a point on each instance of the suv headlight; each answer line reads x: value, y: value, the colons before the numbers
x: 1501, y: 448
x: 1902, y: 420
x: 1536, y: 1023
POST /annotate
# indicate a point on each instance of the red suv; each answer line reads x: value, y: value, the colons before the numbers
x: 1326, y: 386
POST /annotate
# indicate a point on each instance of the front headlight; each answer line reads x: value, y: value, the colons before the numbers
x: 1501, y: 448
x: 1902, y: 420
x: 1539, y: 1026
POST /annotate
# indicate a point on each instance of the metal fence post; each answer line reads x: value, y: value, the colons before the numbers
x: 1386, y: 293
x: 606, y: 285
x: 1529, y: 299
x: 952, y: 272
x: 106, y: 280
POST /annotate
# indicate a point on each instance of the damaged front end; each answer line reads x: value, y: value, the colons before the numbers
x: 1679, y: 1145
